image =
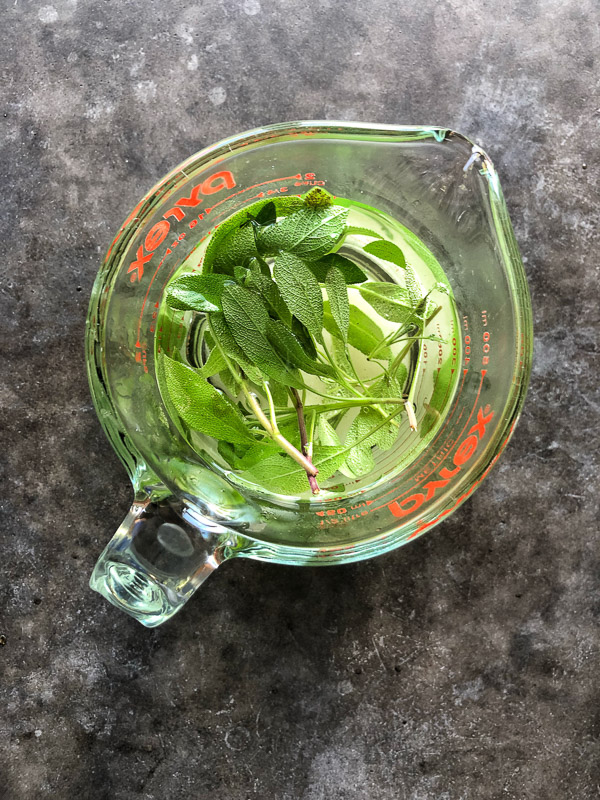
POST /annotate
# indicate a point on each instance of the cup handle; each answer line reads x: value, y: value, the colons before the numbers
x: 159, y: 556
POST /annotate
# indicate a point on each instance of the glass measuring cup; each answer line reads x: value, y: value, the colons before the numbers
x: 188, y: 516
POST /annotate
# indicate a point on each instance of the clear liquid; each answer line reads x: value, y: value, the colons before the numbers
x: 436, y: 365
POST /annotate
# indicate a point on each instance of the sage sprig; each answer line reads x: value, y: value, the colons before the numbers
x: 281, y: 323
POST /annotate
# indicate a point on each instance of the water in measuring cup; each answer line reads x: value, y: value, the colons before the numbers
x: 434, y: 361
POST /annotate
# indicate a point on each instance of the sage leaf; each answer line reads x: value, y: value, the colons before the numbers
x: 244, y: 456
x: 388, y: 251
x: 282, y: 475
x: 258, y: 265
x: 258, y: 452
x: 214, y: 363
x: 196, y: 292
x: 232, y: 453
x: 339, y: 351
x: 391, y: 301
x: 226, y: 342
x: 351, y: 272
x: 277, y: 473
x: 247, y: 318
x: 326, y: 433
x: 303, y: 336
x: 203, y: 407
x: 267, y: 214
x: 300, y: 291
x: 269, y: 291
x: 337, y: 294
x: 230, y: 249
x: 360, y: 459
x: 328, y: 459
x: 291, y: 352
x: 309, y: 233
x: 279, y: 393
x: 241, y: 274
x: 229, y: 382
x: 358, y: 230
x: 390, y: 385
x: 363, y: 333
x: 412, y: 286
x: 441, y: 382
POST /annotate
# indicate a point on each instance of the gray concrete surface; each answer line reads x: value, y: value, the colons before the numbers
x: 462, y: 667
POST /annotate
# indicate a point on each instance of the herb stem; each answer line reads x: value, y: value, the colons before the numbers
x: 275, y: 435
x: 345, y: 404
x: 311, y: 433
x: 375, y: 428
x: 272, y: 414
x: 314, y: 486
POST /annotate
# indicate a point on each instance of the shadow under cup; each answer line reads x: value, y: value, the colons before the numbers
x: 186, y: 518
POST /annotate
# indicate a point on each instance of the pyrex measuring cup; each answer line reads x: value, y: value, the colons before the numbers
x: 188, y: 517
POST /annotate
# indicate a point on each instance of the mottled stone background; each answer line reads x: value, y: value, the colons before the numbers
x: 462, y: 667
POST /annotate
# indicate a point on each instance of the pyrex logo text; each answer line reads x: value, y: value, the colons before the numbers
x: 463, y: 454
x: 159, y: 232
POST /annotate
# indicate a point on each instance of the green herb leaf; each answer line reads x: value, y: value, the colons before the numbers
x: 441, y: 383
x: 300, y: 291
x: 327, y: 433
x: 291, y: 352
x: 282, y: 475
x: 339, y: 351
x: 337, y: 294
x: 258, y: 265
x: 390, y: 385
x: 300, y: 332
x: 229, y: 382
x: 278, y: 473
x: 203, y: 407
x: 285, y: 205
x: 230, y: 248
x: 412, y: 286
x: 214, y: 363
x: 357, y: 230
x: 267, y: 214
x: 226, y: 342
x: 360, y: 459
x: 269, y: 291
x: 247, y: 318
x: 256, y: 453
x: 392, y: 302
x: 241, y: 274
x: 232, y: 453
x: 279, y: 393
x: 363, y: 333
x: 388, y: 251
x: 196, y: 292
x: 236, y: 249
x: 328, y: 460
x: 350, y: 271
x: 309, y: 233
